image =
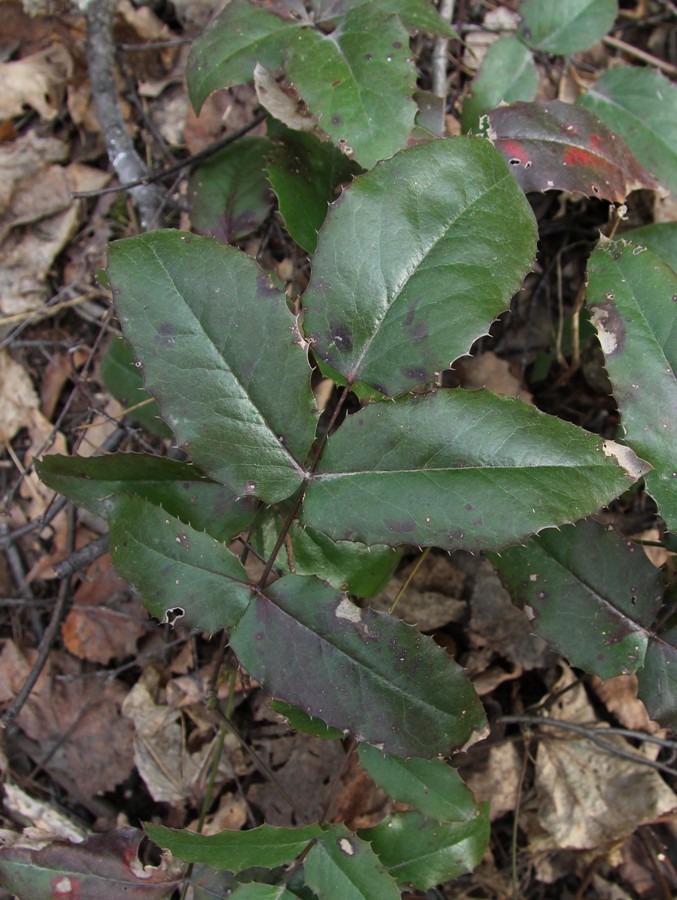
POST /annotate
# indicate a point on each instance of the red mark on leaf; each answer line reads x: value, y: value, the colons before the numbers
x: 576, y: 156
x: 515, y: 151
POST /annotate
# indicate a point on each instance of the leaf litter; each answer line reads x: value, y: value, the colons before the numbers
x: 116, y: 728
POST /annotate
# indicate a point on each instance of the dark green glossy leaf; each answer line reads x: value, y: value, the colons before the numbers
x: 658, y: 679
x: 301, y: 721
x: 220, y: 353
x: 305, y: 174
x: 226, y: 52
x: 406, y: 274
x: 592, y: 595
x: 460, y: 470
x: 125, y: 382
x: 346, y: 565
x: 424, y: 852
x: 358, y: 80
x: 660, y: 238
x: 229, y: 195
x: 417, y: 15
x: 507, y: 73
x: 340, y: 866
x: 641, y: 106
x: 101, y: 867
x: 236, y: 850
x: 356, y: 669
x: 566, y: 26
x: 178, y: 487
x: 551, y: 145
x: 430, y: 785
x: 178, y: 572
x: 632, y: 298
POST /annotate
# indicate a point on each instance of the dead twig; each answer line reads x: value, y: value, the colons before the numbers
x: 189, y: 163
x: 46, y: 643
x: 439, y: 55
x: 82, y: 558
x: 128, y: 165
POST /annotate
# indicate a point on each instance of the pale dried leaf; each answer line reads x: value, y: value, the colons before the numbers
x: 43, y: 817
x: 35, y: 81
x: 282, y: 104
x: 619, y: 695
x: 590, y: 798
x: 495, y: 777
x: 171, y: 771
x: 18, y: 400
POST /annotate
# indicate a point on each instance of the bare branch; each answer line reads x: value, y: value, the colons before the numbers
x: 122, y: 154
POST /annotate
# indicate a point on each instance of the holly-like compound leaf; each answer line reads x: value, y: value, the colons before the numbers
x: 124, y: 380
x: 227, y: 52
x: 430, y: 785
x: 340, y: 864
x: 101, y: 867
x: 178, y: 487
x: 359, y: 81
x: 507, y: 73
x: 592, y: 595
x: 229, y: 195
x: 567, y: 26
x: 306, y: 175
x: 641, y: 105
x: 406, y: 274
x: 346, y: 565
x: 234, y: 851
x: 178, y: 572
x: 551, y: 145
x: 424, y: 852
x: 659, y: 237
x: 461, y: 470
x: 356, y: 669
x: 632, y: 296
x: 220, y: 353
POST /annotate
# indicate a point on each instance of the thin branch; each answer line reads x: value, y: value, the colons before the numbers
x: 189, y: 163
x: 128, y: 165
x: 594, y: 735
x: 45, y: 649
x: 629, y: 50
x: 82, y: 558
x: 439, y: 56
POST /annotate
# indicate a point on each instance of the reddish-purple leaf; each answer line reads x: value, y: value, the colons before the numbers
x: 549, y: 145
x: 103, y: 866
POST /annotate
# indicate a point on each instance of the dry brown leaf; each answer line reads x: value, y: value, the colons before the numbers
x: 45, y: 820
x: 619, y: 695
x: 304, y: 766
x: 591, y: 798
x: 494, y: 776
x: 104, y: 623
x: 18, y: 400
x: 231, y: 815
x: 284, y: 105
x: 432, y: 598
x: 171, y: 770
x: 28, y: 253
x: 490, y: 372
x: 36, y: 81
x: 588, y: 797
x: 496, y: 623
x: 74, y: 718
